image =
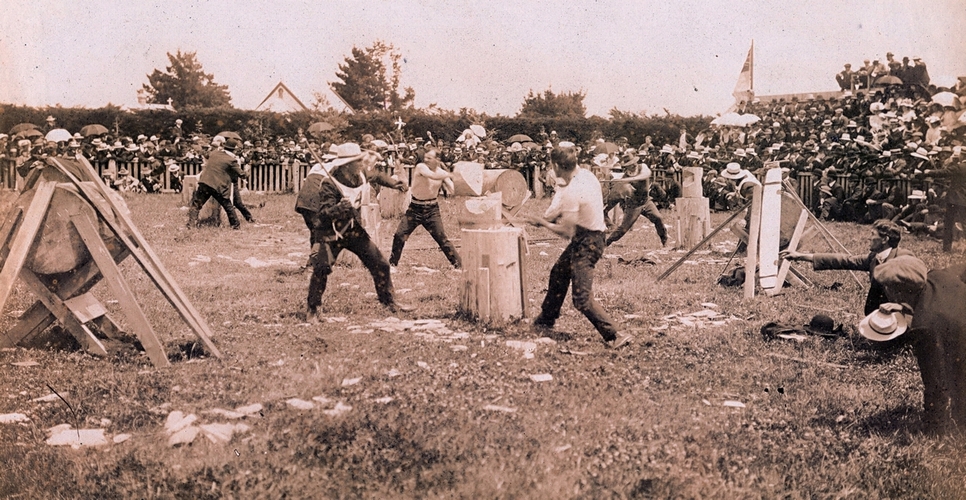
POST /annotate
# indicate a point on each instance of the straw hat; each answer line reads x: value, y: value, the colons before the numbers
x: 885, y: 323
x: 346, y: 153
x: 732, y: 171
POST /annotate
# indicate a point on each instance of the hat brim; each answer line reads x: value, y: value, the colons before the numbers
x: 917, y: 155
x: 729, y: 175
x: 902, y: 324
x: 338, y: 162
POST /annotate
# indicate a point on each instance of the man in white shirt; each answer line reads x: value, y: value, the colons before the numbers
x: 428, y: 178
x: 576, y: 212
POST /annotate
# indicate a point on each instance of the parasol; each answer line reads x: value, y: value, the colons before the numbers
x: 519, y: 138
x: 478, y: 130
x: 319, y: 127
x: 228, y: 134
x: 58, y: 135
x: 947, y: 99
x: 93, y: 129
x: 606, y: 148
x: 21, y: 127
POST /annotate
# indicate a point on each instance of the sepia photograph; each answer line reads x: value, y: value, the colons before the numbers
x: 532, y: 249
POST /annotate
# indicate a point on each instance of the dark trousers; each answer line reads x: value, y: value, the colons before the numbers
x: 954, y: 213
x: 357, y: 241
x: 428, y: 216
x: 201, y: 196
x: 575, y: 269
x: 631, y: 214
x: 239, y: 204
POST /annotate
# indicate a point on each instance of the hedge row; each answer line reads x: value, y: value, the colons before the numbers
x: 445, y: 125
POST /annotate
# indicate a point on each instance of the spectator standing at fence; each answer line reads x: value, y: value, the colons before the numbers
x: 428, y: 178
x: 215, y: 181
x: 576, y: 212
x: 883, y: 246
x: 334, y: 198
x: 954, y: 170
x: 918, y: 74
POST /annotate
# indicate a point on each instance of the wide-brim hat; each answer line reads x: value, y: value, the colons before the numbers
x: 516, y: 147
x: 345, y: 154
x: 732, y: 171
x: 694, y: 155
x: 881, y: 326
x: 921, y: 153
x: 741, y: 152
x: 131, y: 147
x: 629, y: 160
x: 917, y: 194
x: 667, y: 148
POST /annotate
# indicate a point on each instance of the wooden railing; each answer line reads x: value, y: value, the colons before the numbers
x: 288, y: 176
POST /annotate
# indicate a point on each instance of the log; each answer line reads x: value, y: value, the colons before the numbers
x: 482, y: 212
x: 471, y: 179
x: 58, y: 248
x: 691, y: 182
x: 693, y: 221
x: 210, y: 214
x: 467, y: 178
x: 511, y: 184
x: 492, y: 290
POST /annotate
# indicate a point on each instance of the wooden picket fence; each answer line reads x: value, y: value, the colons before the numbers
x: 288, y: 176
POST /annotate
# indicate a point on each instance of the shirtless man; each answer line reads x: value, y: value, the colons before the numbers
x: 423, y: 210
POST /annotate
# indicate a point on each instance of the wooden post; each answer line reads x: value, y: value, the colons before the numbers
x: 493, y: 287
x: 751, y: 261
x: 24, y: 237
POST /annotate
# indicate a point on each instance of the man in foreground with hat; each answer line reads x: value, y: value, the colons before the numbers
x: 576, y: 212
x: 216, y: 179
x: 882, y: 248
x: 936, y: 331
x: 330, y: 202
x: 635, y: 201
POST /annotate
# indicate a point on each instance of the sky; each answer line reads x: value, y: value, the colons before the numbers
x: 636, y: 56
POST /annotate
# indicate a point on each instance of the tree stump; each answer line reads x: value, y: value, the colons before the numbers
x: 493, y: 288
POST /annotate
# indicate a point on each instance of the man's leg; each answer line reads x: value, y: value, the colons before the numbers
x: 198, y: 200
x: 433, y: 223
x: 650, y: 211
x: 240, y: 205
x: 630, y: 217
x: 589, y: 250
x: 229, y: 208
x: 949, y: 227
x: 560, y: 276
x: 320, y: 275
x: 407, y: 224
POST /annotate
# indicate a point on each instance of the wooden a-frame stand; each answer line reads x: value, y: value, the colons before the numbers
x: 84, y: 200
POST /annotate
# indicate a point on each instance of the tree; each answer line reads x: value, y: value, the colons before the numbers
x: 550, y: 105
x: 370, y: 79
x: 186, y: 84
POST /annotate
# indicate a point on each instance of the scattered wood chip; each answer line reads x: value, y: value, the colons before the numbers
x: 338, y: 410
x: 13, y: 418
x: 184, y: 436
x: 48, y: 398
x: 25, y: 364
x: 300, y: 404
x: 541, y: 377
x: 346, y: 382
x: 250, y: 409
x: 120, y: 438
x: 77, y: 438
x: 733, y: 404
x: 504, y: 409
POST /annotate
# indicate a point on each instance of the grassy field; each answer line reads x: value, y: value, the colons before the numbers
x: 693, y: 408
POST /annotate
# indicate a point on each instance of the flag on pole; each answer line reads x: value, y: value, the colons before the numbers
x: 745, y: 87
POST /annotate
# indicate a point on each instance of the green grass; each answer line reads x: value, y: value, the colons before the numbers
x: 644, y: 422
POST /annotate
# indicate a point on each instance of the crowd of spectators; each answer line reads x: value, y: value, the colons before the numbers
x: 845, y: 146
x: 876, y: 71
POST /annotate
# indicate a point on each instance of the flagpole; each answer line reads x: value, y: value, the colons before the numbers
x: 752, y: 66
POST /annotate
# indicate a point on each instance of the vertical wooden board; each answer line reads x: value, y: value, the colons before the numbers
x: 23, y: 238
x: 524, y: 272
x: 117, y: 284
x: 770, y: 228
x: 483, y: 295
x: 751, y: 260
